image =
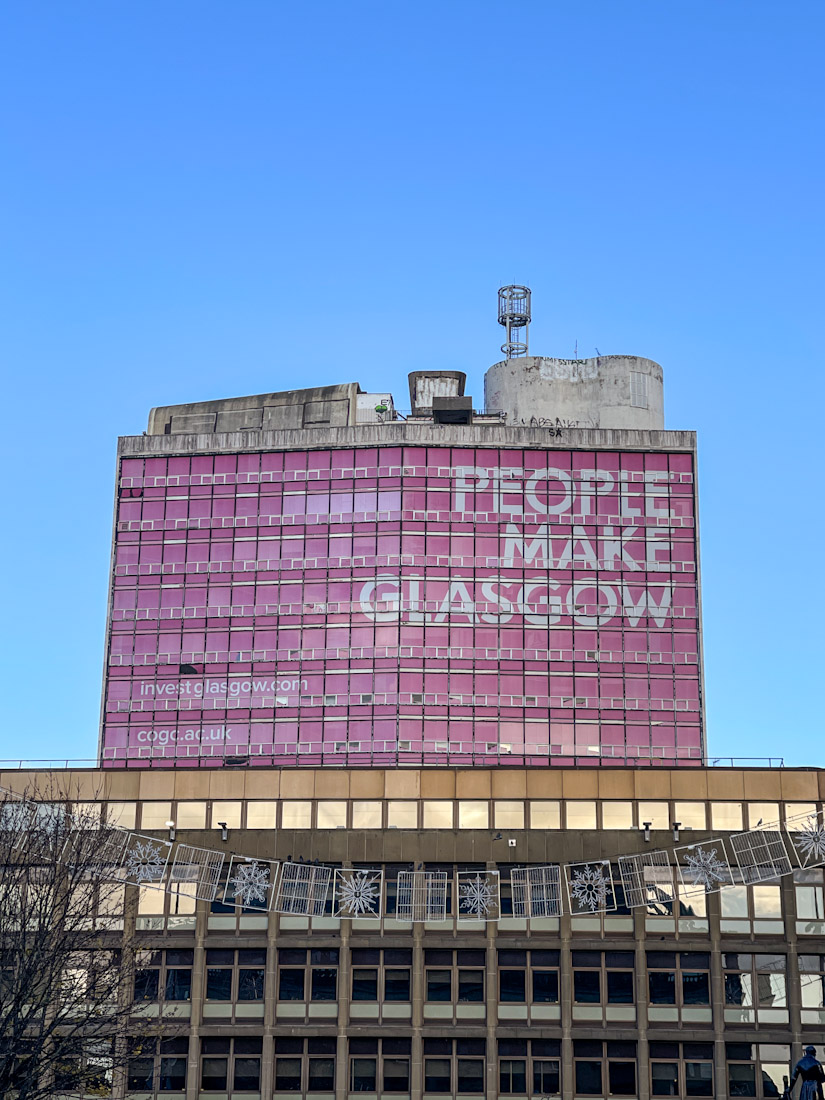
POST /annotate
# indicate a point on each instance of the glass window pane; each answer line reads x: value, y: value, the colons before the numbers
x: 699, y: 1079
x: 580, y: 815
x: 545, y: 815
x: 438, y: 815
x: 219, y: 984
x: 366, y: 815
x: 321, y: 1075
x: 332, y: 815
x: 190, y: 815
x: 588, y: 1078
x: 587, y: 986
x: 229, y: 812
x: 695, y: 988
x: 154, y: 815
x: 123, y: 814
x: 657, y: 813
x: 251, y: 984
x: 402, y: 815
x: 437, y: 1075
x: 296, y: 815
x: 620, y: 987
x: 690, y: 815
x: 767, y: 902
x: 734, y: 901
x: 664, y: 1078
x: 545, y: 987
x: 662, y: 987
x: 473, y: 815
x: 617, y: 815
x: 364, y: 985
x: 546, y: 1078
x: 741, y: 1080
x: 363, y: 1076
x: 511, y: 986
x: 470, y: 1075
x: 260, y: 815
x: 508, y: 815
x: 622, y: 1078
x: 439, y: 985
x: 291, y: 984
x: 762, y: 813
x: 726, y: 815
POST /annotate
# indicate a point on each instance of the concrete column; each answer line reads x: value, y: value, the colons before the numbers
x: 344, y: 993
x: 566, y: 1005
x: 193, y: 1081
x: 642, y: 1046
x: 417, y: 995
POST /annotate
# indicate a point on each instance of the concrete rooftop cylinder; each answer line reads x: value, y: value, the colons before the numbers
x: 610, y: 391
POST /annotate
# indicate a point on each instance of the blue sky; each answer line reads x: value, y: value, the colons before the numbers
x: 202, y: 199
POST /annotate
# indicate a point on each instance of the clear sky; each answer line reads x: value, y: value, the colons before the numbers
x: 203, y: 199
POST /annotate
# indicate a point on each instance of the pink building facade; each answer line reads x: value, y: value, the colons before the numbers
x: 385, y: 597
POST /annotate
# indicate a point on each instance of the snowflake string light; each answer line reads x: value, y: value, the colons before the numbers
x: 703, y: 868
x: 810, y: 841
x: 589, y: 888
x: 477, y: 896
x: 358, y: 893
x: 250, y: 883
x: 145, y: 862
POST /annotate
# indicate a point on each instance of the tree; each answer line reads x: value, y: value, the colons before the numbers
x: 67, y: 1027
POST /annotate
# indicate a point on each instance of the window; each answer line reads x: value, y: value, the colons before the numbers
x: 681, y: 1069
x: 747, y: 909
x: 810, y: 902
x: 85, y: 1068
x: 231, y: 1064
x: 545, y: 815
x: 163, y: 975
x: 305, y: 1065
x: 296, y: 815
x: 812, y: 988
x: 402, y: 815
x: 454, y: 1065
x: 235, y: 975
x: 366, y: 815
x: 757, y: 1069
x: 529, y: 1067
x: 603, y: 977
x: 381, y: 975
x: 678, y: 979
x: 528, y: 977
x: 157, y: 1066
x: 508, y: 815
x: 638, y: 390
x: 454, y: 975
x: 473, y: 815
x: 189, y: 815
x: 755, y: 988
x: 154, y: 815
x: 438, y: 815
x: 379, y: 1065
x: 318, y: 983
x: 690, y: 815
x: 260, y: 815
x: 726, y: 816
x: 580, y: 815
x: 657, y: 813
x: 331, y: 815
x: 617, y: 815
x: 598, y: 1066
x: 228, y: 812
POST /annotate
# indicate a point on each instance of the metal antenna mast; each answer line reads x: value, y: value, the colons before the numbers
x: 514, y: 314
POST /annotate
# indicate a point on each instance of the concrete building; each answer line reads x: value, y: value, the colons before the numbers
x: 455, y: 649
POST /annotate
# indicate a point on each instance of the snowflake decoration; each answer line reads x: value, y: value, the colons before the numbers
x: 358, y: 893
x: 250, y: 883
x: 477, y: 896
x: 145, y: 862
x: 810, y: 841
x: 703, y: 868
x: 589, y: 888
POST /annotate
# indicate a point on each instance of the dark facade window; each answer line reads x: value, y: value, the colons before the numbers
x: 678, y: 978
x: 681, y: 1069
x: 231, y: 1064
x: 379, y: 1065
x: 757, y: 1069
x: 170, y: 971
x: 381, y: 974
x: 454, y: 1065
x: 528, y: 973
x: 598, y: 1066
x: 235, y: 975
x: 295, y: 978
x: 600, y: 973
x: 529, y: 1066
x: 454, y: 975
x: 164, y: 1062
x: 305, y: 1065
